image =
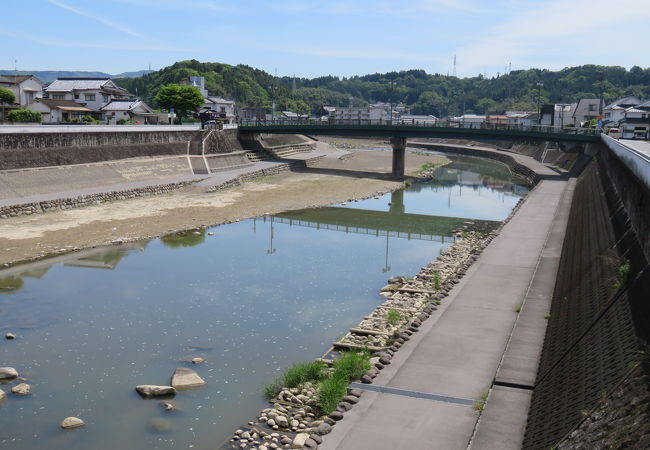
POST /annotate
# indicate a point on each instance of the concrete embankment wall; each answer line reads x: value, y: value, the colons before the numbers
x: 591, y: 388
x: 531, y: 176
x: 23, y: 150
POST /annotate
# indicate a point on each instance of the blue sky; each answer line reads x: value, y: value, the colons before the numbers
x: 313, y: 38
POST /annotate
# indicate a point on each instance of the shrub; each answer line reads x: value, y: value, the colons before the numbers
x: 89, y: 119
x: 273, y: 388
x: 24, y: 115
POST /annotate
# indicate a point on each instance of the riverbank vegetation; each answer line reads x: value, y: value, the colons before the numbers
x: 331, y: 383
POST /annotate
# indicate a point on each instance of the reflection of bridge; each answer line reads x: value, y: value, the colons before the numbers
x: 399, y: 133
x: 381, y: 223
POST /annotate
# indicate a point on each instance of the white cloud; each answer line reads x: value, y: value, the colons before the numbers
x: 561, y: 33
x: 108, y: 23
x: 78, y: 44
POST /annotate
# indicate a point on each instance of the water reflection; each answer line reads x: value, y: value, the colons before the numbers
x: 188, y: 238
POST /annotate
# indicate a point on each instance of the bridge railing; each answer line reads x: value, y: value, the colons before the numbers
x: 400, y: 123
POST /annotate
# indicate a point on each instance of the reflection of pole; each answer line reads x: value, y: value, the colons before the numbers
x: 271, y: 250
x: 386, y: 266
x: 397, y: 202
x: 254, y: 229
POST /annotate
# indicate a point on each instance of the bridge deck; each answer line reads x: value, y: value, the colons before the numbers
x: 467, y: 131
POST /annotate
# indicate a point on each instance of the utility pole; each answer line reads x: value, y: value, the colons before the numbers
x: 539, y: 95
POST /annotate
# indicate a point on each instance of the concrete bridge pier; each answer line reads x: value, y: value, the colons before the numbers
x: 399, y: 155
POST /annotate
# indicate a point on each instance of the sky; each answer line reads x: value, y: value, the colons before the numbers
x: 316, y: 38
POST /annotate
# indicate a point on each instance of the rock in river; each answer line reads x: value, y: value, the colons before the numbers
x: 8, y: 373
x: 161, y: 425
x: 149, y: 390
x: 10, y: 336
x: 21, y: 389
x: 2, y: 395
x: 185, y: 378
x: 299, y: 440
x: 72, y: 422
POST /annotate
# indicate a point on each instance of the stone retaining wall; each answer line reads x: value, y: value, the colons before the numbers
x: 528, y: 174
x: 87, y: 200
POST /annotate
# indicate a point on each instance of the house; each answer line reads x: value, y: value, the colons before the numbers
x: 93, y: 93
x: 325, y: 112
x: 522, y: 119
x: 413, y: 119
x: 120, y: 110
x: 251, y: 113
x: 25, y: 88
x: 376, y: 113
x: 55, y: 111
x: 468, y: 121
x: 587, y: 109
x: 223, y: 107
x: 635, y: 123
x: 497, y: 120
x: 197, y: 82
x: 615, y: 110
x: 290, y: 115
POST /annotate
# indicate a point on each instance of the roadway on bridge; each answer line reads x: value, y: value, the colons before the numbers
x: 458, y: 351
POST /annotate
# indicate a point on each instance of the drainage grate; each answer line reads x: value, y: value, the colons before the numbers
x: 414, y: 394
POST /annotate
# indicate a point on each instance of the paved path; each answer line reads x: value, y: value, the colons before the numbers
x: 459, y: 350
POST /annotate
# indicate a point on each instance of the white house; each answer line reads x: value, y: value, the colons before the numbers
x: 225, y: 108
x: 93, y: 93
x: 55, y: 111
x: 635, y: 123
x: 615, y: 111
x: 25, y: 88
x: 197, y: 82
x: 468, y: 121
x: 414, y: 119
x: 374, y: 113
x: 129, y: 109
x: 587, y: 109
x: 521, y: 118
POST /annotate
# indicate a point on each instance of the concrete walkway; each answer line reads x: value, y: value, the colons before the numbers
x: 461, y: 347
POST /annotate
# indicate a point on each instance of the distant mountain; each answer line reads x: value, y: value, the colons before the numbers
x: 47, y: 76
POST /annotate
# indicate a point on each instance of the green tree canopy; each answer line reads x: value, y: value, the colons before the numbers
x: 181, y: 98
x: 6, y: 96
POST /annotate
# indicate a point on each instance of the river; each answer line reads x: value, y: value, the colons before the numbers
x: 249, y: 297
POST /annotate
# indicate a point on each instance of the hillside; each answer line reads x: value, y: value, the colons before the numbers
x: 424, y: 93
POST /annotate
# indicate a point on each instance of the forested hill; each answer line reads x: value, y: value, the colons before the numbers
x: 425, y: 93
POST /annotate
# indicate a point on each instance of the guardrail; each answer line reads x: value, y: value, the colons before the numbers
x: 636, y: 161
x: 406, y: 124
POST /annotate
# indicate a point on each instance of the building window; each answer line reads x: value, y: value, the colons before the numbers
x: 593, y: 107
x: 105, y: 98
x: 58, y: 96
x: 76, y: 96
x: 223, y: 109
x: 89, y: 97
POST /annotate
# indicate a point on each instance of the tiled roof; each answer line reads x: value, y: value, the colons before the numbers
x: 121, y: 105
x: 64, y: 104
x: 14, y: 79
x: 81, y: 84
x: 219, y: 100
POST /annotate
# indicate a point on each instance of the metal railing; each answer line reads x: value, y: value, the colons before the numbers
x: 405, y: 124
x: 363, y: 230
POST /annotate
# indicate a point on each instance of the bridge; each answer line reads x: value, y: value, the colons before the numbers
x: 398, y: 133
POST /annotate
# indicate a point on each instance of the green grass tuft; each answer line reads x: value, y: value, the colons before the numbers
x: 393, y: 317
x: 300, y: 372
x: 352, y: 365
x: 331, y: 392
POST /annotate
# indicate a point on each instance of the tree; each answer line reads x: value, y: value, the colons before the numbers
x: 24, y: 115
x: 6, y: 96
x: 181, y: 98
x: 486, y: 105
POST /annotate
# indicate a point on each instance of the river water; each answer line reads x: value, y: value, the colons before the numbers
x: 251, y: 298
